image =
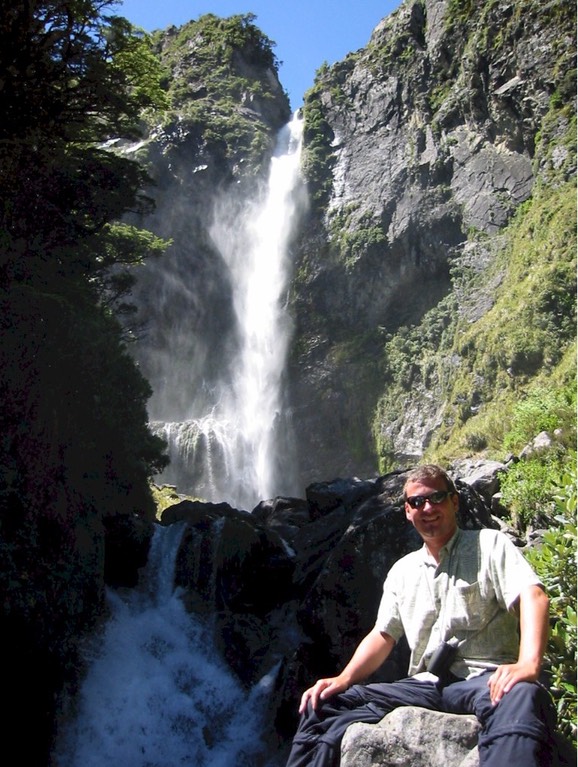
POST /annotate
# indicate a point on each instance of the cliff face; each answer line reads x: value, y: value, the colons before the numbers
x: 422, y: 146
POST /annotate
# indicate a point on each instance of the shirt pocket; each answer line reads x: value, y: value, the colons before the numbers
x: 466, y: 608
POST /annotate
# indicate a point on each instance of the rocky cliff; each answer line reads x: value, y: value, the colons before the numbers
x: 421, y: 149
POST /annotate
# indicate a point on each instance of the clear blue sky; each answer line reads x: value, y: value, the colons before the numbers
x: 306, y: 32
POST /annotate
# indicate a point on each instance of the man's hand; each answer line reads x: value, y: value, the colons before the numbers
x: 322, y: 689
x: 505, y: 677
x: 368, y: 657
x: 534, y: 605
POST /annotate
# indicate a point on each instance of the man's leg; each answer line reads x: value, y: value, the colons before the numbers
x: 317, y: 742
x: 517, y: 731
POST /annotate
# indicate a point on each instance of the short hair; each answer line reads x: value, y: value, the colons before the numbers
x: 429, y: 471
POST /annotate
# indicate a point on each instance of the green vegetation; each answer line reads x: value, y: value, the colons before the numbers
x: 317, y: 138
x: 555, y: 562
x: 75, y: 446
x: 540, y: 491
x: 527, y: 487
x: 482, y: 368
x: 543, y: 409
x: 355, y: 238
x: 65, y: 257
x: 532, y: 322
x: 214, y: 67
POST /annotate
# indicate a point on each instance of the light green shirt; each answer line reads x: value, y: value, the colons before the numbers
x: 470, y: 595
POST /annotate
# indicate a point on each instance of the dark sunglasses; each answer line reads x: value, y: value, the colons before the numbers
x: 417, y: 501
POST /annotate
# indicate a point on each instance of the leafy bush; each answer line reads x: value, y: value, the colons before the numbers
x: 555, y: 562
x: 541, y: 490
x: 543, y: 409
x: 527, y: 489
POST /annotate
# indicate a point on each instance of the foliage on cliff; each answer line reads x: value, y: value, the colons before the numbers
x: 220, y: 75
x: 555, y: 562
x: 540, y: 491
x: 482, y: 368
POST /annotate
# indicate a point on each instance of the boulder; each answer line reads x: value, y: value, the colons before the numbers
x: 482, y: 475
x: 227, y: 561
x: 413, y: 737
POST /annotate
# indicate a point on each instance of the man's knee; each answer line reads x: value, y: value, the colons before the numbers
x: 526, y: 712
x: 529, y: 699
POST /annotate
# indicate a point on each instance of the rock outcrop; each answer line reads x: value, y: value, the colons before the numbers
x: 415, y: 736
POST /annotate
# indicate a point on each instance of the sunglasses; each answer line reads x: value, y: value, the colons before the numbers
x: 417, y: 501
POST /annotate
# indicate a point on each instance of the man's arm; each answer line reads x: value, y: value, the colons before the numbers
x: 534, y: 616
x: 371, y: 652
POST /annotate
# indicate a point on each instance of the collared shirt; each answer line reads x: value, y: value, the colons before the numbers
x: 471, y: 595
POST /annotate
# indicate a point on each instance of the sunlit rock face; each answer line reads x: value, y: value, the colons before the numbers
x: 430, y: 135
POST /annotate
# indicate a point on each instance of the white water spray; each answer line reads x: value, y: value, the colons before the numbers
x: 239, y: 451
x: 156, y: 694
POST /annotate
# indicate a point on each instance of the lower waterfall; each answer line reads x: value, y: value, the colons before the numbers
x: 156, y: 695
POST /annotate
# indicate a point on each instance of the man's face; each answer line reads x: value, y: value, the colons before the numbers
x: 434, y: 519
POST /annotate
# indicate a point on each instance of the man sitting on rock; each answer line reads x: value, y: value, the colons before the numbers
x: 475, y: 616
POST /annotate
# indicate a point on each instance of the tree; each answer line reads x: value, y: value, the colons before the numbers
x: 73, y: 78
x: 75, y: 446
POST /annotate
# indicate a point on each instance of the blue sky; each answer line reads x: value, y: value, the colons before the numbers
x: 306, y: 32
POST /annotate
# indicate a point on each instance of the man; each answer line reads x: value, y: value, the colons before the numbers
x: 469, y: 594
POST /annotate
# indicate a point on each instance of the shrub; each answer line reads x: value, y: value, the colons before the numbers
x: 555, y: 562
x: 543, y: 409
x: 527, y: 489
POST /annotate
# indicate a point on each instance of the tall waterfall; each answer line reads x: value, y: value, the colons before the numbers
x: 239, y: 449
x: 156, y: 694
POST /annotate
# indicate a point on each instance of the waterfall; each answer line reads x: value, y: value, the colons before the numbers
x: 155, y: 694
x: 239, y: 450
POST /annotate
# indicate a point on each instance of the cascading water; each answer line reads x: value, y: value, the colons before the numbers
x: 240, y: 450
x: 156, y: 694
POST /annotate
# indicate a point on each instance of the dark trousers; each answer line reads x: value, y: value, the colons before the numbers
x: 517, y: 732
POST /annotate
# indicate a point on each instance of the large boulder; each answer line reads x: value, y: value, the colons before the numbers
x: 227, y: 561
x: 415, y: 737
